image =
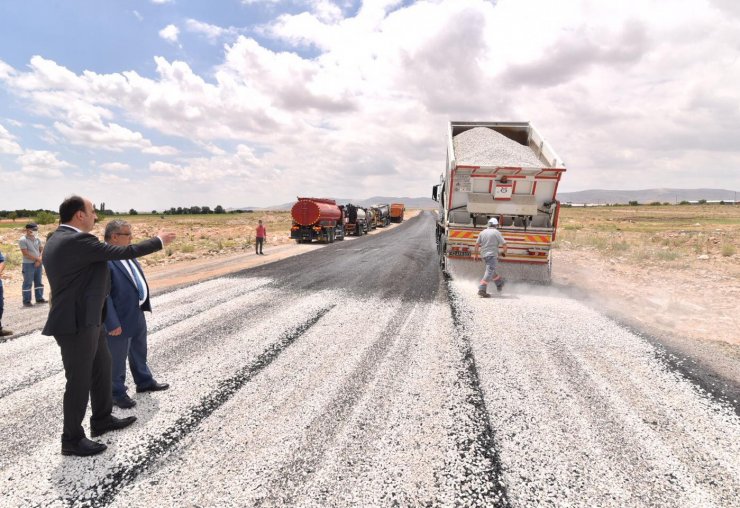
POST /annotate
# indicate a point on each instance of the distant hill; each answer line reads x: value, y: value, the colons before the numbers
x: 596, y: 196
x: 409, y: 202
x: 593, y: 196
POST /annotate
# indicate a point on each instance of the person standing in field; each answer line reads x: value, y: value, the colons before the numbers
x: 487, y: 244
x: 4, y: 332
x: 32, y: 248
x: 261, y: 236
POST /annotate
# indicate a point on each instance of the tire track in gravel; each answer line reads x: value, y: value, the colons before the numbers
x: 325, y: 427
x: 723, y: 390
x: 177, y: 314
x: 483, y: 440
x: 109, y: 486
x: 587, y: 415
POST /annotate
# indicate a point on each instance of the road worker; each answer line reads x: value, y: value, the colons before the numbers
x: 487, y: 245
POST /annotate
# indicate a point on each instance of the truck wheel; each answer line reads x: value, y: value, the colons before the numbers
x: 443, y: 259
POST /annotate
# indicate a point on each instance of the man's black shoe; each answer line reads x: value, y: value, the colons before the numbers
x: 4, y: 332
x: 156, y: 387
x: 124, y: 402
x: 83, y: 448
x: 27, y: 304
x: 42, y: 301
x: 113, y: 423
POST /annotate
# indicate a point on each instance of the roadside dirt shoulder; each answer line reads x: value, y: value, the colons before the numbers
x: 691, y: 313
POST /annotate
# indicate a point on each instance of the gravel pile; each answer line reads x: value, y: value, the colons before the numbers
x: 481, y: 146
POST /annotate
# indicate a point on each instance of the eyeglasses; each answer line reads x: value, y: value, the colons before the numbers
x: 122, y: 234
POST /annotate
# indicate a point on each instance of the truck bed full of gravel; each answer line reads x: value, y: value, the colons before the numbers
x: 481, y: 146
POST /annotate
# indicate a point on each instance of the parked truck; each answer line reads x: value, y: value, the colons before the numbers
x: 370, y: 218
x: 397, y: 211
x: 504, y: 170
x: 355, y: 221
x: 317, y: 219
x: 382, y: 215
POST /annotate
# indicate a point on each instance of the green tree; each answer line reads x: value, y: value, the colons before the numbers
x: 13, y: 216
x: 133, y: 212
x: 702, y: 201
x: 634, y: 203
x: 219, y: 209
x: 45, y: 217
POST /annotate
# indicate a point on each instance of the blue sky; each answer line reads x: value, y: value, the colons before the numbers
x: 151, y: 104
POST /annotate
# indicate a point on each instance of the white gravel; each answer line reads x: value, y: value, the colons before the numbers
x: 481, y: 146
x: 586, y: 414
x: 326, y: 398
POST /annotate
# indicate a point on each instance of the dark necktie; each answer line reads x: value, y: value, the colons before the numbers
x: 137, y: 279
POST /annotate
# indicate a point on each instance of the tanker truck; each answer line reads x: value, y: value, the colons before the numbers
x: 397, y: 211
x: 504, y: 170
x: 382, y: 215
x: 370, y: 218
x: 317, y: 219
x: 355, y: 220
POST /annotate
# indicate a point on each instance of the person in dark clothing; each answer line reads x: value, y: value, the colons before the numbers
x: 76, y: 267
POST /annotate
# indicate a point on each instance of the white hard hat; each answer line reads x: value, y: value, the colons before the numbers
x: 493, y: 221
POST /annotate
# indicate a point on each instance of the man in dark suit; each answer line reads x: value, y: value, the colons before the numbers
x: 125, y: 321
x: 76, y: 267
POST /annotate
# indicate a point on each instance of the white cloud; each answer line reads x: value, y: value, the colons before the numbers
x: 211, y: 32
x: 636, y: 92
x: 169, y: 33
x: 8, y: 143
x: 161, y: 150
x: 115, y: 166
x: 41, y: 163
x: 112, y: 179
x: 137, y: 15
x: 161, y: 2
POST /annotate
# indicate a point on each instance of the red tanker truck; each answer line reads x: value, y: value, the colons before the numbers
x: 317, y: 219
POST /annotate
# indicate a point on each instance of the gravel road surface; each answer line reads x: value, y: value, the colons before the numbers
x: 355, y: 375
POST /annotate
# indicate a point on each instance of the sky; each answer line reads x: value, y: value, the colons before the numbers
x: 150, y: 104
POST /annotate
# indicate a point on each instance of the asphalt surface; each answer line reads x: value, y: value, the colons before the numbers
x: 355, y: 375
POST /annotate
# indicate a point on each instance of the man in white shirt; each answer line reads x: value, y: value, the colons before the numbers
x: 125, y: 321
x: 487, y: 245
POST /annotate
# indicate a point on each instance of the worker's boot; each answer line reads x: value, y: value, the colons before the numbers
x: 500, y: 284
x: 4, y: 332
x: 482, y: 291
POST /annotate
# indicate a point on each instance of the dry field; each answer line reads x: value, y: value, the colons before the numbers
x: 670, y: 270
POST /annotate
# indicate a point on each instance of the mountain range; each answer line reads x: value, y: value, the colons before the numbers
x: 646, y: 196
x: 593, y: 196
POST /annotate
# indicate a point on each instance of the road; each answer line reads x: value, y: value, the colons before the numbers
x: 355, y: 375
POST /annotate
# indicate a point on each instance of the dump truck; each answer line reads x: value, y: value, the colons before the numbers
x: 504, y: 170
x: 317, y: 219
x: 397, y: 211
x: 355, y: 220
x: 382, y: 215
